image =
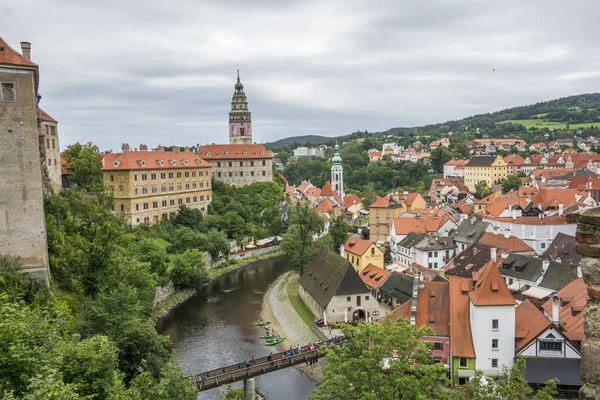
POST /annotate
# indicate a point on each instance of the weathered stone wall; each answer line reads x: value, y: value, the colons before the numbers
x: 163, y: 293
x: 588, y: 245
x: 22, y: 225
x: 240, y: 256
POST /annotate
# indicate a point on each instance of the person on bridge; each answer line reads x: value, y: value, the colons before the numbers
x: 246, y: 364
x: 272, y: 358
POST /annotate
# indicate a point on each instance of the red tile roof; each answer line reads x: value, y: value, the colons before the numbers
x: 425, y: 223
x: 529, y: 323
x: 374, y: 276
x: 457, y: 162
x: 357, y: 246
x: 233, y: 151
x: 514, y: 159
x: 511, y: 244
x: 490, y: 289
x: 144, y: 160
x: 9, y: 56
x: 582, y: 182
x: 313, y: 191
x: 290, y: 189
x: 44, y: 116
x: 552, y: 197
x: 573, y: 299
x: 328, y: 191
x: 304, y: 186
x: 325, y: 206
x: 401, y: 312
x: 433, y: 306
x: 351, y: 199
x: 461, y: 343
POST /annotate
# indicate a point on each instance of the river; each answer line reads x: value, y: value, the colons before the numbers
x: 214, y: 328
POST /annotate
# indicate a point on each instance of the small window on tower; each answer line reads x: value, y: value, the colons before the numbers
x: 8, y: 92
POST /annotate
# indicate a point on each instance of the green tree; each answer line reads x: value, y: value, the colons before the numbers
x: 189, y: 217
x: 171, y: 384
x: 338, y: 230
x: 84, y: 163
x: 298, y: 242
x: 13, y: 283
x: 153, y: 251
x: 482, y: 190
x: 355, y: 370
x: 217, y: 245
x: 511, y: 182
x: 460, y: 149
x: 438, y: 158
x: 369, y: 195
x: 187, y: 270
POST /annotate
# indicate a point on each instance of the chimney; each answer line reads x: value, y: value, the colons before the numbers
x: 176, y: 149
x: 342, y: 254
x: 493, y: 254
x: 143, y: 147
x: 26, y: 50
x: 125, y: 147
x: 514, y: 214
x: 472, y: 220
x: 474, y: 251
x: 561, y: 209
x: 555, y: 308
x: 555, y: 253
x: 160, y: 148
x: 187, y: 149
x: 507, y: 233
x: 545, y: 265
x: 496, y: 229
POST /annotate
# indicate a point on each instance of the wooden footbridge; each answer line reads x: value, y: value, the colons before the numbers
x: 262, y: 365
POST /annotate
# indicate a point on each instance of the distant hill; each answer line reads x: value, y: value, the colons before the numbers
x: 567, y: 113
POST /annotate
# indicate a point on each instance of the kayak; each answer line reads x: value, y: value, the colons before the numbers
x: 267, y: 336
x: 273, y: 342
x: 262, y: 323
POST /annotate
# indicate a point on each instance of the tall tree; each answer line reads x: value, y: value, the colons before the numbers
x: 298, y: 242
x: 338, y: 230
x: 84, y: 163
x: 482, y: 190
x: 369, y: 195
x: 511, y: 182
x: 438, y: 158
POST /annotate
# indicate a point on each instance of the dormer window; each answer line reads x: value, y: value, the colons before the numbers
x: 262, y: 153
x: 226, y: 154
x: 208, y: 154
x: 184, y: 161
x: 172, y: 162
x: 116, y: 163
x: 161, y: 162
x: 142, y: 162
x: 244, y: 154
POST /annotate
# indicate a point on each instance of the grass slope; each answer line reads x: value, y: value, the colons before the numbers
x: 298, y: 304
x: 540, y: 123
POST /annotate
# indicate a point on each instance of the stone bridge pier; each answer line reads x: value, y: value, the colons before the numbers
x: 249, y: 389
x: 588, y: 245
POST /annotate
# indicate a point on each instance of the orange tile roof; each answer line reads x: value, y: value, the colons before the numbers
x: 357, y: 246
x: 384, y: 202
x: 461, y: 343
x: 374, y: 276
x: 351, y: 199
x: 457, y: 162
x: 499, y: 205
x: 514, y: 159
x: 304, y: 186
x: 573, y: 297
x: 234, y: 151
x: 132, y: 160
x: 552, y: 197
x: 511, y: 244
x: 547, y: 220
x: 328, y: 191
x: 44, y: 116
x: 490, y: 289
x: 10, y: 56
x: 549, y: 173
x: 433, y: 306
x: 380, y: 202
x: 581, y: 182
x: 325, y: 206
x: 289, y: 189
x: 313, y: 191
x: 403, y: 311
x: 424, y: 224
x: 529, y: 323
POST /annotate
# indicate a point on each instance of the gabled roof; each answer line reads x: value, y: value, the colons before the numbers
x: 422, y: 222
x: 12, y: 57
x: 523, y: 267
x: 44, y: 116
x: 563, y: 247
x: 145, y: 160
x: 529, y: 323
x: 481, y: 161
x: 358, y: 246
x: 470, y: 230
x: 329, y: 192
x: 234, y: 151
x: 573, y: 299
x: 325, y: 206
x: 329, y: 275
x: 558, y: 275
x: 351, y: 199
x: 398, y: 285
x: 514, y: 159
x: 461, y: 343
x: 511, y: 244
x: 433, y: 306
x: 540, y: 370
x: 553, y: 197
x: 374, y: 276
x: 304, y: 186
x: 456, y: 161
x: 435, y: 242
x: 290, y: 189
x: 470, y: 260
x: 411, y: 239
x: 490, y: 289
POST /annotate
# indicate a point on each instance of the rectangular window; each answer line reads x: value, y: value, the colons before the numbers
x: 135, y: 190
x: 154, y: 189
x: 264, y: 173
x: 463, y: 362
x: 112, y: 178
x: 47, y: 143
x: 52, y: 130
x: 163, y: 175
x: 252, y: 163
x: 172, y: 202
x: 430, y: 254
x: 494, y: 363
x: 146, y: 206
x: 170, y: 175
x: 230, y: 174
x: 187, y: 174
x: 144, y: 177
x: 137, y: 207
x: 8, y: 92
x: 494, y: 343
x: 264, y: 163
x: 135, y: 177
x: 550, y: 346
x: 187, y: 200
x: 195, y: 199
x: 153, y: 176
x: 494, y: 324
x: 193, y: 174
x: 241, y: 163
x: 348, y: 299
x: 164, y: 203
x: 122, y: 207
x: 438, y: 346
x: 179, y: 174
x: 219, y: 164
x: 230, y: 163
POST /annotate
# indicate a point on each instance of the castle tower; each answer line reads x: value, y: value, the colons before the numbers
x: 240, y: 124
x: 337, y: 173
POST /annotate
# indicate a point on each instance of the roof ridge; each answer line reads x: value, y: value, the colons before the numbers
x: 17, y: 58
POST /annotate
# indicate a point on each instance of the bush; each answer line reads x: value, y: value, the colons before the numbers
x: 187, y: 270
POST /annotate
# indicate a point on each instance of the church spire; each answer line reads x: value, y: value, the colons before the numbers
x: 337, y: 172
x: 240, y: 123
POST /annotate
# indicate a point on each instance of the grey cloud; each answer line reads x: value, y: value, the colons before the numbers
x: 163, y: 72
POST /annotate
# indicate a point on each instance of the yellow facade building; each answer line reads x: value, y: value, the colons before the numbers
x: 149, y: 186
x: 362, y: 252
x: 383, y: 211
x: 491, y: 169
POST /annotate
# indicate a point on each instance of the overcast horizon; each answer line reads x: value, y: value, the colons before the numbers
x: 163, y: 73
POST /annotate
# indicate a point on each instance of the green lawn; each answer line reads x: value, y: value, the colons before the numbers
x: 301, y: 308
x: 361, y: 221
x: 540, y: 123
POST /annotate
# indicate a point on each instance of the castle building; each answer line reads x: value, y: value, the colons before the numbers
x: 48, y: 128
x: 22, y: 226
x: 149, y: 186
x: 240, y: 162
x: 337, y: 172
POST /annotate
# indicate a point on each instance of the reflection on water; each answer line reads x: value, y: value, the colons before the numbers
x: 214, y: 328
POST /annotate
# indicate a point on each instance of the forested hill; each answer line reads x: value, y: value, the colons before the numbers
x: 567, y: 113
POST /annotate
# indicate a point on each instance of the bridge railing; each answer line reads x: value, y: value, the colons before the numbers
x: 262, y: 365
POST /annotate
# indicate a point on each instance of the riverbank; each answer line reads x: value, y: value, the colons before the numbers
x: 278, y: 309
x: 181, y: 296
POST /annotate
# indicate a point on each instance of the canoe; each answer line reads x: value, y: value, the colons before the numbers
x: 274, y: 342
x: 262, y: 323
x: 267, y: 336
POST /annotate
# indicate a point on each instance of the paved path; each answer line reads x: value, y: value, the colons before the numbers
x: 288, y: 319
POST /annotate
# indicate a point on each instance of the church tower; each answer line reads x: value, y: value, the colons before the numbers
x: 240, y: 124
x: 337, y: 173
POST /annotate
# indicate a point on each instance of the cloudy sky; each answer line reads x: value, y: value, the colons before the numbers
x: 162, y: 72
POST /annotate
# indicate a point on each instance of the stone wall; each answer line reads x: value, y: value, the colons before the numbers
x: 163, y: 293
x: 588, y: 245
x: 240, y: 256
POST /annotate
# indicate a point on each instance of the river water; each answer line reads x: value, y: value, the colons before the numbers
x: 214, y: 328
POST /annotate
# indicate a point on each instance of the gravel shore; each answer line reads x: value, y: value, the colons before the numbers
x: 284, y: 319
